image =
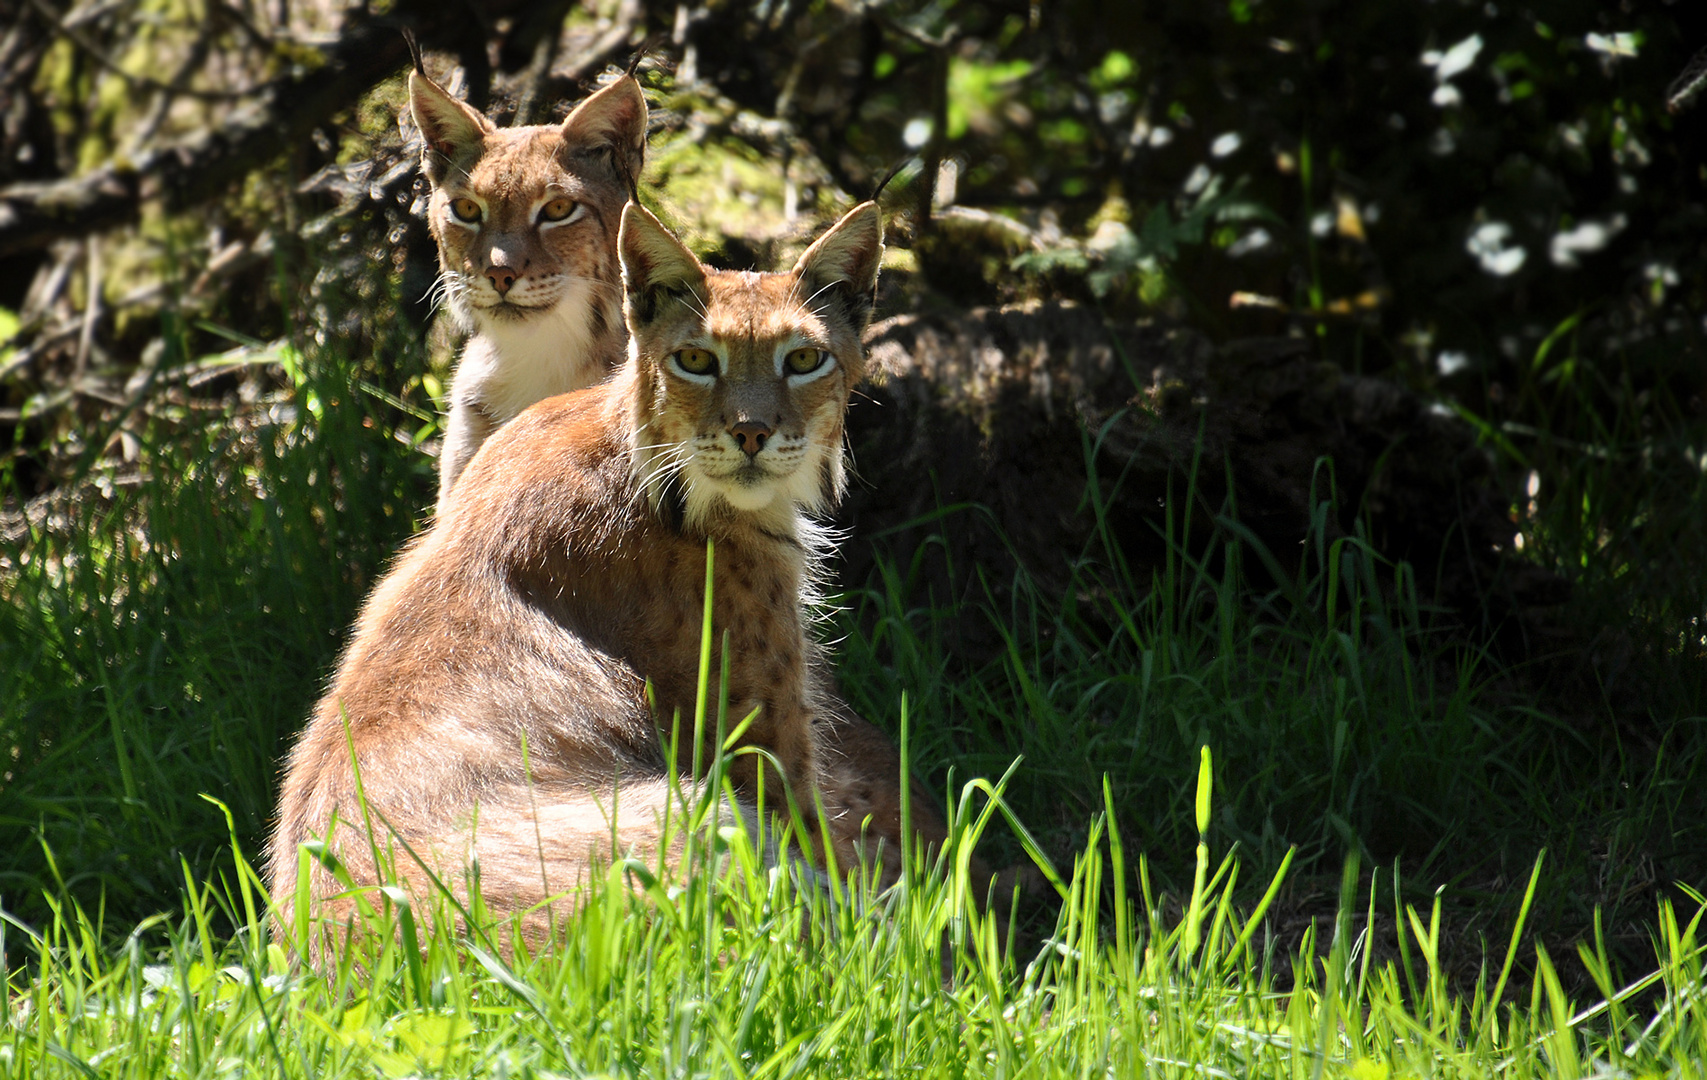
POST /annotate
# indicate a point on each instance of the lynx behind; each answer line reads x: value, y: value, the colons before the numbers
x: 526, y: 220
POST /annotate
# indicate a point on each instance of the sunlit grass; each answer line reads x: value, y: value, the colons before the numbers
x: 165, y: 640
x: 749, y: 968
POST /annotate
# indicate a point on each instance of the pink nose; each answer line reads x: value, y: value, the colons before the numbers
x: 501, y: 277
x: 750, y: 436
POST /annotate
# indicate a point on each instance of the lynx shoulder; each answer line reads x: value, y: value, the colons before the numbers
x: 493, y: 696
x: 526, y: 220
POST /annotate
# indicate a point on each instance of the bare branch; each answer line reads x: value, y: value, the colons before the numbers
x: 611, y: 44
x: 279, y: 115
x: 531, y: 103
x: 1687, y: 85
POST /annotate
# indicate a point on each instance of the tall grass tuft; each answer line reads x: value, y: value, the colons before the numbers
x: 162, y: 638
x: 1343, y: 720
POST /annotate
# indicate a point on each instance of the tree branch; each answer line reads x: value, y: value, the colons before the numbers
x: 610, y: 45
x: 280, y: 115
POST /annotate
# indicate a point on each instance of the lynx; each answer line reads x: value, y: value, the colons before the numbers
x: 515, y: 360
x: 526, y: 221
x: 494, y: 695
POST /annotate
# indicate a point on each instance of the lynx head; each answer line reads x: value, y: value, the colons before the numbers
x: 742, y: 379
x: 526, y: 217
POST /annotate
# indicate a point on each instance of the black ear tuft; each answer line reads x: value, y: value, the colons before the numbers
x: 414, y: 50
x: 647, y: 48
x: 894, y: 171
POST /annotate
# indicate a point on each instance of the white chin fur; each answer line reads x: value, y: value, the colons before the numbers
x: 518, y: 361
x: 749, y: 498
x: 780, y: 500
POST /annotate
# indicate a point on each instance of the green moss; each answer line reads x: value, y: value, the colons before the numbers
x: 715, y: 189
x: 375, y: 119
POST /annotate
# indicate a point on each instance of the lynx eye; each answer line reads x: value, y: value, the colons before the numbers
x: 558, y: 210
x: 804, y: 361
x: 696, y: 361
x: 465, y: 209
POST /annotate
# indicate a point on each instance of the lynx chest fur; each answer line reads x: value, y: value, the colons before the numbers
x: 493, y: 698
x: 526, y: 221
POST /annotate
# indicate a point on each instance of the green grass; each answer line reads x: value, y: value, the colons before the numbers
x: 736, y: 968
x: 163, y: 640
x: 166, y: 640
x: 1343, y: 719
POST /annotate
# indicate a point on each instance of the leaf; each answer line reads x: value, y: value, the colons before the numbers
x: 1205, y: 788
x: 1059, y: 258
x: 1159, y: 235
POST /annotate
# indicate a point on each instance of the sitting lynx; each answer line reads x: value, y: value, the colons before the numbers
x: 494, y: 693
x: 526, y: 221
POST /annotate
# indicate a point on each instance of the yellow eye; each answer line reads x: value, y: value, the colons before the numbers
x: 697, y: 361
x: 803, y: 361
x: 557, y: 209
x: 465, y: 209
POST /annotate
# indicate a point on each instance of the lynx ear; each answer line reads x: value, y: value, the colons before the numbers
x: 655, y: 265
x: 613, y: 119
x: 841, y: 268
x: 450, y: 127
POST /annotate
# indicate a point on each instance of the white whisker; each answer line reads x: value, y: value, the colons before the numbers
x: 670, y: 458
x: 447, y: 288
x: 665, y: 446
x: 695, y: 302
x: 807, y: 303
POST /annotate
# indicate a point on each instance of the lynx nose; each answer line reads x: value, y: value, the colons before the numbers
x: 750, y: 436
x: 501, y: 277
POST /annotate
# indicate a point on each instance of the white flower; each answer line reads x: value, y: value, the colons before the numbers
x: 1614, y: 45
x: 1586, y: 237
x: 1488, y: 244
x: 1457, y: 59
x: 1255, y: 240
